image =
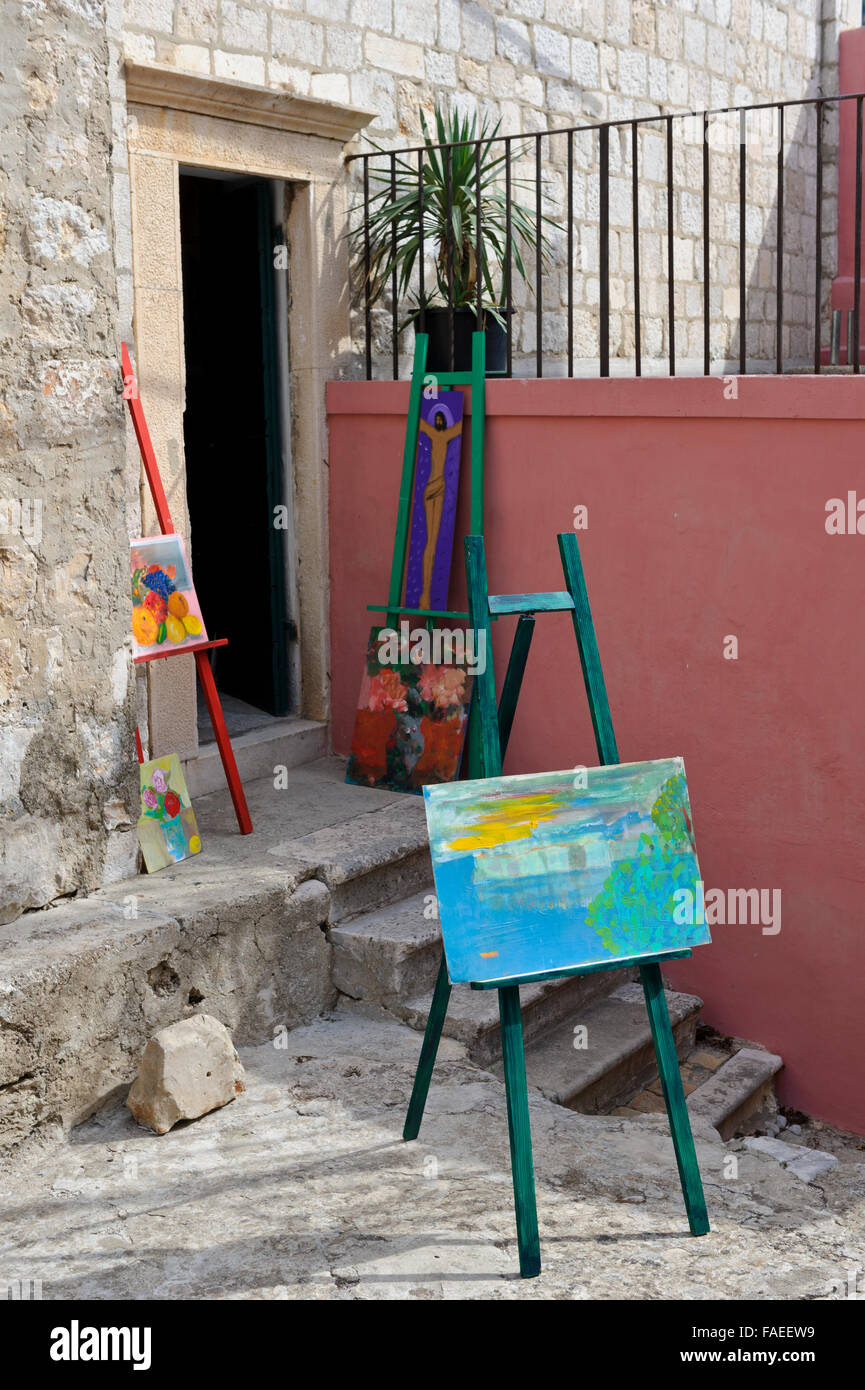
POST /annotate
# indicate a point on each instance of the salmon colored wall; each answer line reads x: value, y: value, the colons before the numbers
x: 706, y: 519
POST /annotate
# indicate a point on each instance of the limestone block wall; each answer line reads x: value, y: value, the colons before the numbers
x: 69, y: 483
x: 539, y: 65
x: 67, y: 771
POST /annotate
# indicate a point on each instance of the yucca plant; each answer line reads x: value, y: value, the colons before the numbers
x: 449, y: 183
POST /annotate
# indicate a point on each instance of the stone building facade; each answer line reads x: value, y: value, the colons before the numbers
x: 102, y: 104
x: 538, y: 65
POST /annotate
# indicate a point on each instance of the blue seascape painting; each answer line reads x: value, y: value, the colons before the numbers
x: 560, y: 869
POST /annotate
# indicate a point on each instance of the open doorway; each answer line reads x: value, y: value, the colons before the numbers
x: 236, y: 440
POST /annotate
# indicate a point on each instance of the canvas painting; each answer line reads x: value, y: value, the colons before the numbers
x: 167, y: 831
x: 561, y: 869
x: 411, y: 718
x: 165, y: 612
x: 434, y: 501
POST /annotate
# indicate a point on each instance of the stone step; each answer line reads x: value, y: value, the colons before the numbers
x: 284, y: 743
x: 740, y: 1088
x: 369, y: 847
x: 389, y: 954
x: 619, y: 1057
x: 473, y: 1015
x: 370, y: 861
x: 238, y: 931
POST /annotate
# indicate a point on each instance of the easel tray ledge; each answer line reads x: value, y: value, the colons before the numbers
x: 625, y: 963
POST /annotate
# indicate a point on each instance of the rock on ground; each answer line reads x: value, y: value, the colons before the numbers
x: 188, y: 1069
x: 304, y: 1189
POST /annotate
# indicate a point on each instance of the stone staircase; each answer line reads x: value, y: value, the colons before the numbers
x: 587, y: 1039
x: 331, y: 897
x: 389, y: 957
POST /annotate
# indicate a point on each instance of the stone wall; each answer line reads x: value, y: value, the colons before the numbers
x: 67, y: 772
x: 69, y: 482
x: 538, y: 65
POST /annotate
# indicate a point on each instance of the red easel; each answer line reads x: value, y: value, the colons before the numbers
x: 202, y: 664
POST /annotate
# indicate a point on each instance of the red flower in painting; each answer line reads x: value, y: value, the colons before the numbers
x: 442, y: 740
x: 372, y: 730
x: 386, y: 691
x: 442, y: 685
x: 172, y: 803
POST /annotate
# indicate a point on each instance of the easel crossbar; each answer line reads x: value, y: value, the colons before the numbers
x: 414, y: 612
x: 503, y: 604
x: 542, y: 976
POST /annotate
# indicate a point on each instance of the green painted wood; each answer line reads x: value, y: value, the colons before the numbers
x: 274, y: 472
x: 489, y: 731
x: 429, y: 1048
x: 412, y: 431
x: 414, y: 612
x: 530, y: 603
x: 519, y: 1131
x: 545, y: 975
x: 674, y: 1099
x: 485, y: 754
x: 487, y: 751
x: 450, y: 379
x: 479, y: 389
x: 514, y: 678
x: 587, y: 642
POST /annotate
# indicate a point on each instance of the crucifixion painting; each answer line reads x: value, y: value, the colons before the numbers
x: 434, y: 501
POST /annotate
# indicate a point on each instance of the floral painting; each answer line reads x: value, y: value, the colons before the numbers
x: 165, y: 612
x: 554, y: 870
x: 167, y: 831
x: 411, y: 718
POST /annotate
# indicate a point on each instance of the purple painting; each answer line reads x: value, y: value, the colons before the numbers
x: 434, y: 504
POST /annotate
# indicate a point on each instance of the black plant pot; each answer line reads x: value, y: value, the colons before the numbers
x: 465, y: 321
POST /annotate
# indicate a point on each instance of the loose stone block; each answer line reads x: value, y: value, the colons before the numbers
x: 775, y: 1148
x: 811, y: 1163
x: 807, y: 1164
x: 187, y: 1069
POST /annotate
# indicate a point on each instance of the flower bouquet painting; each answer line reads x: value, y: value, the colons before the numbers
x: 411, y: 718
x: 165, y: 612
x: 167, y: 831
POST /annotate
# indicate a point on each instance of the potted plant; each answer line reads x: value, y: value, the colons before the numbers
x: 449, y: 184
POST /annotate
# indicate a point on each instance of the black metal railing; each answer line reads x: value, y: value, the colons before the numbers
x: 799, y: 125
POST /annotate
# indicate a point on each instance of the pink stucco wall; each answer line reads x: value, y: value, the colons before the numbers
x: 706, y: 519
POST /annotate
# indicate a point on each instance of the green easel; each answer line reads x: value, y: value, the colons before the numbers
x: 493, y: 733
x: 476, y: 379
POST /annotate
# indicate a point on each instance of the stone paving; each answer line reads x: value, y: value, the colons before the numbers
x: 303, y: 1188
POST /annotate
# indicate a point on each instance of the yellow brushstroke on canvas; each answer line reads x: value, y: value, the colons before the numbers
x: 515, y: 819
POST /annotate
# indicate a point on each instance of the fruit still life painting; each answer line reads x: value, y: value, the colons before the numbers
x: 165, y: 612
x: 411, y: 718
x: 167, y: 831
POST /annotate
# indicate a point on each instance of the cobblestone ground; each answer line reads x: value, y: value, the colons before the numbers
x: 302, y: 1188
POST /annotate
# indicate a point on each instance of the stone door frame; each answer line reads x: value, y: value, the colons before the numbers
x: 176, y: 119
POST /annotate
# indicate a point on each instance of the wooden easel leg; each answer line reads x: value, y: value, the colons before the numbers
x: 432, y: 1033
x: 223, y: 742
x: 519, y: 1130
x: 514, y: 677
x: 674, y: 1099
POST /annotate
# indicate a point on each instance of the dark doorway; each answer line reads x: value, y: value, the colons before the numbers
x: 232, y: 443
